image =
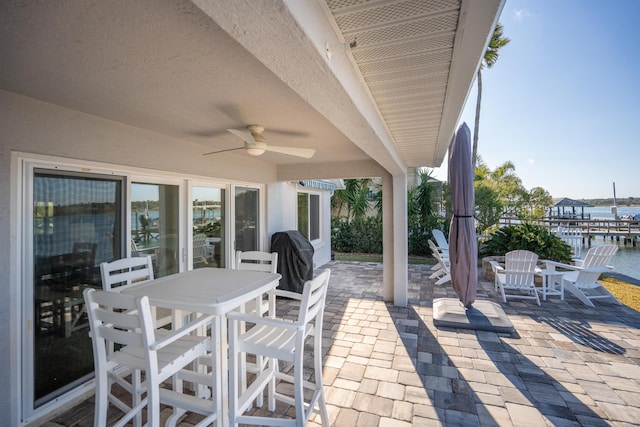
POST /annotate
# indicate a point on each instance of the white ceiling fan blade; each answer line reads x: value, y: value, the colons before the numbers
x: 307, y: 153
x: 242, y: 134
x: 223, y: 151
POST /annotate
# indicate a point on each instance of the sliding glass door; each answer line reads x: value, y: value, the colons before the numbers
x: 155, y: 225
x: 76, y: 223
x: 247, y: 219
x: 208, y: 227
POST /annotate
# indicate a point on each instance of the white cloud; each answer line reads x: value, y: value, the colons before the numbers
x: 520, y: 14
x: 531, y: 161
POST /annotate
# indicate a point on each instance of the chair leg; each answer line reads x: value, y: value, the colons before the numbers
x: 578, y: 293
x: 234, y: 374
x: 271, y: 393
x: 322, y: 403
x: 136, y: 395
x: 101, y: 400
x: 259, y: 369
x: 153, y: 405
x: 444, y: 279
x: 298, y: 389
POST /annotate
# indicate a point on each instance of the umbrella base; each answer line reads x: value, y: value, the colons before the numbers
x: 483, y: 315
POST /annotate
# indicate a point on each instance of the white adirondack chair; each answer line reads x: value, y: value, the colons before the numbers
x: 517, y: 275
x: 441, y: 241
x: 582, y: 279
x: 442, y: 269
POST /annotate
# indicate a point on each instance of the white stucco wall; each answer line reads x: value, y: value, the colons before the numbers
x: 9, y: 338
x: 36, y: 127
x: 40, y: 129
x: 280, y: 217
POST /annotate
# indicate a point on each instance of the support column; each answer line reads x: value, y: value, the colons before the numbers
x: 387, y: 238
x: 400, y: 242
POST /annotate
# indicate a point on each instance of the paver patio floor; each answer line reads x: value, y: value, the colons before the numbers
x: 566, y: 365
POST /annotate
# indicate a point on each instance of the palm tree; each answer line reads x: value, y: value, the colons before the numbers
x: 354, y: 197
x: 490, y: 58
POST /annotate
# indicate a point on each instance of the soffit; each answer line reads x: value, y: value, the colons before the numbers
x: 404, y: 51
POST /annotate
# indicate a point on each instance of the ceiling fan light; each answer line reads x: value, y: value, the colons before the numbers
x: 255, y: 151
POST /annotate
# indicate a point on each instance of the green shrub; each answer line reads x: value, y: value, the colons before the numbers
x: 359, y: 235
x: 365, y: 235
x: 530, y: 237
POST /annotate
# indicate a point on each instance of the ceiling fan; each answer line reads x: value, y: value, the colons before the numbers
x: 256, y: 145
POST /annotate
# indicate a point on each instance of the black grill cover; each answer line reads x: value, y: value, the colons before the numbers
x: 295, y: 259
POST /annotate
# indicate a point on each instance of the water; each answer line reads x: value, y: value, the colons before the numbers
x: 627, y: 260
x: 605, y: 211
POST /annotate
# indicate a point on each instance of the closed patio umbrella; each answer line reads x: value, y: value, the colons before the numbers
x: 463, y: 246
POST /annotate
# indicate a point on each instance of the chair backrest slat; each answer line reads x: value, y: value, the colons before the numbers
x: 257, y: 261
x: 120, y: 336
x: 126, y: 272
x: 118, y: 319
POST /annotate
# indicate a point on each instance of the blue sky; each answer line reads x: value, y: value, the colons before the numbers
x: 563, y: 101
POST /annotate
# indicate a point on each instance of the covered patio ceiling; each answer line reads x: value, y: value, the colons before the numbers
x: 382, y: 81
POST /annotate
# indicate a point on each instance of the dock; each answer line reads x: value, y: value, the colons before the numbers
x: 625, y: 231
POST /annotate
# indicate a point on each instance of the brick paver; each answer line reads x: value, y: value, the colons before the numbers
x: 566, y: 364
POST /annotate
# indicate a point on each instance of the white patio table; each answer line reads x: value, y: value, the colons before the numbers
x: 214, y: 291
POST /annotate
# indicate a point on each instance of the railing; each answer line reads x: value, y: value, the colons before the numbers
x: 589, y: 228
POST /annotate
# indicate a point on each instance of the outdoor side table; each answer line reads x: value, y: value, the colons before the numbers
x: 551, y: 283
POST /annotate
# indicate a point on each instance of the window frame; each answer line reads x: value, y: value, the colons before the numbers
x: 309, y: 194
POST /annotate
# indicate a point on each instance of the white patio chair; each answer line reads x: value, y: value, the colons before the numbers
x: 442, y: 269
x: 125, y: 272
x: 441, y: 241
x: 582, y: 280
x: 281, y: 340
x: 255, y: 261
x: 118, y: 318
x: 517, y: 275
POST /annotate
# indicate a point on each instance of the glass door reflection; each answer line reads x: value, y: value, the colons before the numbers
x: 208, y: 208
x: 77, y: 224
x: 155, y: 224
x: 247, y: 215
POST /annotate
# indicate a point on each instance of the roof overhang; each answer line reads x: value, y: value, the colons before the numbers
x: 191, y: 70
